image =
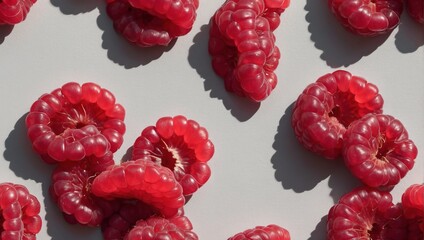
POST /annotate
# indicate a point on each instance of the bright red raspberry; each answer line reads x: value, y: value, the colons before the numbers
x: 181, y: 145
x: 152, y: 22
x: 413, y: 208
x: 14, y: 11
x: 326, y: 108
x: 367, y: 17
x: 54, y: 120
x: 242, y: 46
x: 366, y: 213
x: 19, y: 213
x: 378, y: 151
x: 176, y: 228
x: 270, y: 232
x: 415, y: 9
x: 143, y: 180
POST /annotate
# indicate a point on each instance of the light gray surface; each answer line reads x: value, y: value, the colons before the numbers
x: 260, y: 174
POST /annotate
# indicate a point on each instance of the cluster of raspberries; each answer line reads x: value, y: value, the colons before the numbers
x: 14, y: 11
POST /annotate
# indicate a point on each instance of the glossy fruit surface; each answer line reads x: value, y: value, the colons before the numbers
x: 413, y: 208
x: 14, y: 11
x: 270, y: 232
x: 415, y: 9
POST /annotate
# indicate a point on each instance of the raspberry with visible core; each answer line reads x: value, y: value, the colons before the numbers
x: 378, y: 151
x: 415, y: 9
x: 181, y: 145
x: 367, y: 17
x: 15, y: 11
x: 270, y: 232
x: 326, y: 108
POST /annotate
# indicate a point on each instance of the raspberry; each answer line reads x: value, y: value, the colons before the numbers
x: 327, y: 107
x: 177, y: 228
x: 270, y: 232
x: 181, y: 145
x: 14, y: 11
x: 19, y: 213
x: 70, y: 189
x: 367, y: 17
x: 143, y: 180
x: 242, y: 46
x: 413, y: 206
x: 415, y: 9
x: 53, y: 118
x: 377, y: 150
x: 366, y: 213
x: 155, y: 22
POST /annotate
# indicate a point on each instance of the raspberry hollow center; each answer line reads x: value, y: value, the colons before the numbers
x: 345, y: 108
x: 375, y: 232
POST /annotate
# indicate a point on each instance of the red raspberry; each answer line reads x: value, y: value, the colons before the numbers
x: 19, y: 213
x: 327, y: 107
x: 413, y: 208
x: 14, y: 11
x: 377, y: 150
x: 177, y: 228
x: 367, y: 17
x: 270, y: 232
x: 415, y: 9
x: 242, y: 46
x: 143, y: 180
x: 366, y: 213
x: 181, y: 145
x: 53, y: 118
x: 153, y: 22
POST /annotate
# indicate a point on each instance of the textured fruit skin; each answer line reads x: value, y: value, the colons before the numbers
x: 143, y: 180
x: 14, y: 11
x: 367, y: 17
x: 413, y: 209
x: 181, y: 145
x: 242, y: 46
x: 378, y: 151
x: 53, y: 118
x: 366, y: 213
x: 153, y: 22
x: 176, y: 228
x: 19, y: 213
x: 270, y: 232
x: 415, y: 9
x: 325, y: 109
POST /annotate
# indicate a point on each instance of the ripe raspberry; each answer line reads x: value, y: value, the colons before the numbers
x: 377, y: 150
x: 327, y: 107
x: 14, y: 11
x: 53, y: 118
x: 177, y: 228
x: 413, y: 206
x: 367, y: 17
x: 242, y: 46
x: 149, y: 23
x: 366, y: 213
x: 143, y: 180
x: 270, y: 232
x: 19, y: 213
x: 181, y: 145
x: 415, y: 9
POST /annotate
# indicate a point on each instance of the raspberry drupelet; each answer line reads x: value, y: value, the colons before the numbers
x: 415, y: 9
x: 413, y: 209
x: 270, y: 232
x: 14, y: 11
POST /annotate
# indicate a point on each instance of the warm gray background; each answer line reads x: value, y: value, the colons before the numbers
x: 260, y: 173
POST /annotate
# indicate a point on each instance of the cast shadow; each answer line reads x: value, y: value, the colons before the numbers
x: 75, y: 7
x: 410, y: 35
x: 339, y: 47
x: 341, y: 182
x: 241, y: 108
x: 320, y: 231
x: 5, y: 30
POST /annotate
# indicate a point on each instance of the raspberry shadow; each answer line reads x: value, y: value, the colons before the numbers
x: 410, y: 36
x: 75, y: 7
x: 320, y: 231
x: 5, y: 30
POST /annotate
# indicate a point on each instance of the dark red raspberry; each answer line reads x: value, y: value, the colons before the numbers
x: 327, y: 107
x: 270, y: 232
x: 413, y: 208
x: 366, y: 213
x: 367, y: 17
x: 242, y: 46
x: 377, y: 150
x: 14, y: 11
x: 415, y: 9
x: 143, y: 180
x: 153, y: 22
x: 181, y: 145
x: 176, y: 228
x: 53, y: 118
x: 19, y: 213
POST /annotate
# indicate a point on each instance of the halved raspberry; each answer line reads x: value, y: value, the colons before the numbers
x: 366, y: 213
x: 242, y: 46
x: 19, y: 213
x: 415, y: 9
x: 149, y: 23
x: 413, y: 208
x: 143, y: 180
x: 377, y: 150
x: 270, y: 232
x: 54, y: 118
x: 176, y: 228
x: 326, y: 108
x: 14, y: 11
x: 181, y: 145
x: 367, y: 17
